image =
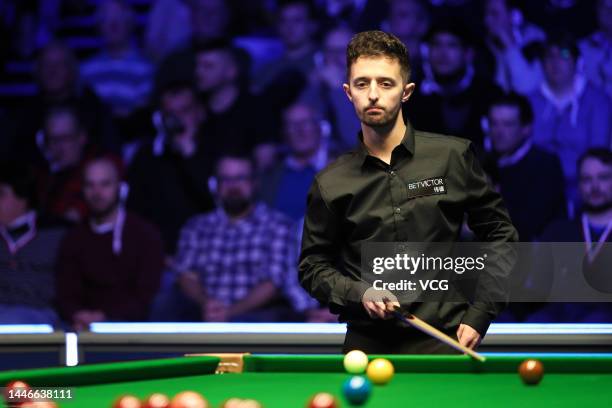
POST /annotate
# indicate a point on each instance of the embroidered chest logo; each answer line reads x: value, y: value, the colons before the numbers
x: 431, y: 186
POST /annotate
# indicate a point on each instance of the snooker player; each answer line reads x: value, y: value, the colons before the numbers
x: 373, y: 194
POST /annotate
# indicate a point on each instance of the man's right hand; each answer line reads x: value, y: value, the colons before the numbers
x: 379, y: 303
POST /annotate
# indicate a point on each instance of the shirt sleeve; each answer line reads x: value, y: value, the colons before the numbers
x: 321, y: 247
x: 299, y: 299
x: 490, y: 222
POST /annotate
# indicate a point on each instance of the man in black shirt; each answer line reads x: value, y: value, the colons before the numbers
x: 372, y: 195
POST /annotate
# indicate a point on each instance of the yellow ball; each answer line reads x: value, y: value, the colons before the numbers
x: 355, y: 362
x: 380, y: 371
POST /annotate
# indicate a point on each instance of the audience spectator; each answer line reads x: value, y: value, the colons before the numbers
x: 109, y: 266
x: 325, y: 89
x: 234, y: 261
x: 296, y: 25
x: 119, y: 74
x: 593, y: 226
x: 452, y: 99
x: 595, y: 189
x: 63, y: 142
x: 169, y: 176
x: 597, y: 49
x: 209, y: 21
x: 235, y: 116
x: 359, y: 14
x: 514, y: 44
x: 409, y: 20
x: 535, y: 204
x: 56, y: 73
x: 167, y: 27
x: 571, y: 114
x: 285, y: 186
x: 28, y: 253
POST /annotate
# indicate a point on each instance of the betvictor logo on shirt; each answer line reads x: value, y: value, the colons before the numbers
x: 431, y: 186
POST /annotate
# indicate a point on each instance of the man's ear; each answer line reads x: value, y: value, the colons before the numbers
x: 347, y: 91
x: 408, y: 90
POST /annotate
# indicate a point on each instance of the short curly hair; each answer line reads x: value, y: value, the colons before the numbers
x: 377, y: 43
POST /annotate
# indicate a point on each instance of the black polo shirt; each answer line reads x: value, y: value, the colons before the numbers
x: 422, y: 196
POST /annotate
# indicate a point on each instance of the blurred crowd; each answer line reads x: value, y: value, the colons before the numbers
x: 155, y: 155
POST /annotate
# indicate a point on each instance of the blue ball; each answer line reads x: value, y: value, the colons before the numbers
x: 357, y: 389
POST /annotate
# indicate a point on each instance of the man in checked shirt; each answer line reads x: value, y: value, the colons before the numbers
x: 239, y: 260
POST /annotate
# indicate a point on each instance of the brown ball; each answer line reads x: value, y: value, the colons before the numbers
x: 531, y: 371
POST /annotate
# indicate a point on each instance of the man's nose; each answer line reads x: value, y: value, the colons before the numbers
x: 373, y: 93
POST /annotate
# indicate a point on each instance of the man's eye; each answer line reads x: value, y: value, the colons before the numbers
x: 386, y: 84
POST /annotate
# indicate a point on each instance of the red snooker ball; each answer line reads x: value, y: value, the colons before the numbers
x: 156, y: 400
x: 16, y: 386
x: 322, y: 400
x: 188, y: 399
x: 531, y: 371
x: 127, y: 401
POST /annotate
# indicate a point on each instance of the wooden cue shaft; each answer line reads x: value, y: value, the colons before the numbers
x: 432, y: 331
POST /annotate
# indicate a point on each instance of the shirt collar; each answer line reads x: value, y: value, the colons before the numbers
x: 518, y: 155
x: 255, y: 213
x: 26, y: 219
x: 407, y: 143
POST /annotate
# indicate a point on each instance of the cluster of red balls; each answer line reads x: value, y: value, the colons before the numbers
x: 185, y: 399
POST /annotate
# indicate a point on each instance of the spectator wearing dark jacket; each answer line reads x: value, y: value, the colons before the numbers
x: 529, y: 179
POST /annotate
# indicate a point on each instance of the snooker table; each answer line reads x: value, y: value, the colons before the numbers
x: 285, y: 381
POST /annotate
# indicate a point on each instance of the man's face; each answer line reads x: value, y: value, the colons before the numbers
x: 294, y: 25
x: 559, y: 66
x: 55, y: 71
x: 497, y: 16
x: 302, y: 131
x: 101, y: 187
x: 506, y: 130
x: 447, y: 54
x: 213, y: 70
x: 595, y: 184
x: 334, y: 48
x: 115, y: 24
x: 236, y: 186
x: 377, y: 89
x: 11, y: 205
x: 407, y: 19
x: 184, y: 106
x: 64, y: 141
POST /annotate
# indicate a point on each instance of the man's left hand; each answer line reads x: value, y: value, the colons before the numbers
x: 468, y: 337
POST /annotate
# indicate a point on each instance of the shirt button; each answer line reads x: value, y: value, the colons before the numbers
x: 392, y: 173
x: 397, y: 210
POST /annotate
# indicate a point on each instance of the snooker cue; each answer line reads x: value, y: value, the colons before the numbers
x: 425, y: 327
